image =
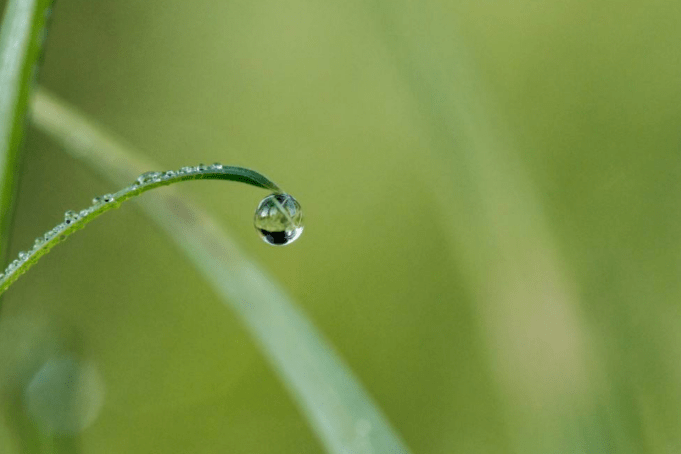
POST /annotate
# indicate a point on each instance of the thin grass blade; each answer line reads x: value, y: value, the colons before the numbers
x: 21, y: 38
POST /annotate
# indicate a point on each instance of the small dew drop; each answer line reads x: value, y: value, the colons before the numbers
x: 2, y: 275
x: 39, y: 241
x: 216, y: 166
x: 279, y: 219
x: 106, y: 198
x: 23, y: 255
x: 96, y: 200
x: 148, y: 177
x: 70, y: 217
x: 83, y: 213
x: 202, y: 167
x: 186, y: 169
x: 169, y: 174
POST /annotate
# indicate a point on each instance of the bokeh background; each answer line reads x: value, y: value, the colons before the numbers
x: 493, y: 232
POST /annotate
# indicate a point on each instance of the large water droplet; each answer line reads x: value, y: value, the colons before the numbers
x: 279, y: 219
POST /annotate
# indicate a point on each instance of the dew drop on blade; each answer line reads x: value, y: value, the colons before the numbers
x: 279, y: 219
x: 70, y: 217
x: 148, y: 177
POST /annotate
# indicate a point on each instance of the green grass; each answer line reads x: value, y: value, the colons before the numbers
x: 339, y: 410
x: 490, y: 194
x: 22, y: 34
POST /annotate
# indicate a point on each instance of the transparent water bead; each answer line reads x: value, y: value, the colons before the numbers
x: 65, y: 396
x: 148, y: 177
x: 279, y: 219
x: 70, y: 216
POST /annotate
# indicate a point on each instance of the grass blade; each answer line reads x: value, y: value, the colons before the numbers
x: 21, y: 38
x: 339, y: 410
x: 149, y: 180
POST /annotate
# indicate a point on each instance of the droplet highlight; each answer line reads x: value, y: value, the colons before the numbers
x: 279, y: 219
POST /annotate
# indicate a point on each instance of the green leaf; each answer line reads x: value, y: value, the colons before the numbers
x: 21, y: 38
x: 340, y: 411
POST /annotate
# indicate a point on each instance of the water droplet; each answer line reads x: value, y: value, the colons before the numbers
x: 96, y: 200
x: 70, y: 217
x: 2, y: 275
x: 39, y: 241
x: 279, y: 219
x: 186, y: 169
x: 202, y: 167
x: 106, y: 198
x: 169, y: 174
x: 148, y: 177
x: 65, y: 396
x: 83, y: 213
x: 216, y: 166
x: 23, y: 255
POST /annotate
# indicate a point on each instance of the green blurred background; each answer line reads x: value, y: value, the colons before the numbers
x: 493, y: 234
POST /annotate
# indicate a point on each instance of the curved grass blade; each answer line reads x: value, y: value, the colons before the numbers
x: 150, y: 180
x: 21, y: 38
x: 340, y: 411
